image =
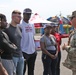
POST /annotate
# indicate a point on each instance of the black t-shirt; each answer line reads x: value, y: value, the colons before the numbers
x: 6, y: 46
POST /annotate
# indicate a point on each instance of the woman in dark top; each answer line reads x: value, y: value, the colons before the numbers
x: 7, y: 47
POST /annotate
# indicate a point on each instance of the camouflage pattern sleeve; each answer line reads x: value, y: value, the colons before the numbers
x: 67, y: 48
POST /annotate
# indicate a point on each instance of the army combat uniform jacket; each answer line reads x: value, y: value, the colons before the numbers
x: 70, y: 61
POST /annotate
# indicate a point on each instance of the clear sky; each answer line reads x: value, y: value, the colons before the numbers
x: 45, y: 8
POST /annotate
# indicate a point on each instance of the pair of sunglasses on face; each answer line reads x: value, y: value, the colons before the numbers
x: 27, y: 14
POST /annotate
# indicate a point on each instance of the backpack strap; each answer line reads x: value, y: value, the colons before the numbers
x: 53, y: 39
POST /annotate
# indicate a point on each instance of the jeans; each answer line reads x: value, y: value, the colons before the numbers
x: 49, y: 64
x: 9, y: 66
x: 19, y: 65
x: 30, y: 61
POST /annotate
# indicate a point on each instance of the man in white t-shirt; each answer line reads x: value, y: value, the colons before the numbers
x: 27, y: 41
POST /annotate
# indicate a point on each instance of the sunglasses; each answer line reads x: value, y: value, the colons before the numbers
x: 15, y: 12
x: 27, y: 13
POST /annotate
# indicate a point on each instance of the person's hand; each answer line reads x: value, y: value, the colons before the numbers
x: 56, y: 55
x: 1, y: 51
x: 52, y: 56
x: 63, y: 47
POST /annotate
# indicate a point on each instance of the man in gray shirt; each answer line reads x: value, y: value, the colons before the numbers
x: 15, y: 37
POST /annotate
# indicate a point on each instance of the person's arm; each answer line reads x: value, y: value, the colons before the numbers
x: 34, y: 32
x: 1, y: 51
x: 66, y: 47
x: 64, y: 35
x: 56, y: 51
x: 5, y: 42
x: 56, y: 45
x: 2, y: 70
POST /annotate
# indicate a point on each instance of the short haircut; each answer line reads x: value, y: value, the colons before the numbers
x: 16, y: 12
x: 2, y: 16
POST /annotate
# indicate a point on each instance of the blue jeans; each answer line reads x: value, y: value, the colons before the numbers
x: 9, y: 66
x: 19, y: 65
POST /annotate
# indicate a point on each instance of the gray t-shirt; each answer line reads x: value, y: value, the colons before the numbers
x: 48, y: 43
x: 15, y: 37
x: 0, y: 58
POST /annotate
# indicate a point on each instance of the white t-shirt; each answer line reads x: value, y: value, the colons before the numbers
x: 27, y: 41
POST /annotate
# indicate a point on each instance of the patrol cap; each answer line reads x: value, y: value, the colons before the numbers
x: 27, y: 10
x: 73, y: 14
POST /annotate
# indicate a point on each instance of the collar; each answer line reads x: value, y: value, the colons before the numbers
x: 24, y: 22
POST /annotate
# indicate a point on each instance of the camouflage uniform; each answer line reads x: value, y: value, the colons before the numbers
x: 70, y: 61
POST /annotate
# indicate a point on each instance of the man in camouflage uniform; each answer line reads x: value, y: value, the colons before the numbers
x: 70, y: 61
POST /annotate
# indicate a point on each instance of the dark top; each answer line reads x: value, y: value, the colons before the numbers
x: 6, y: 46
x: 15, y: 37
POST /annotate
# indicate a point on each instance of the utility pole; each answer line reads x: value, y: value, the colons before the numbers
x: 60, y: 14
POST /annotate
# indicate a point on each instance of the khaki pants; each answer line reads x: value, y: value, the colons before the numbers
x: 2, y: 70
